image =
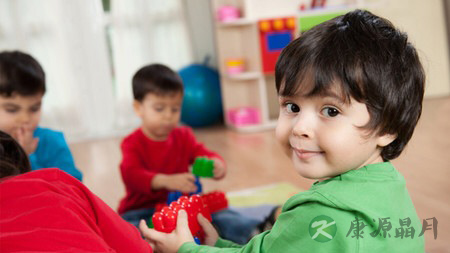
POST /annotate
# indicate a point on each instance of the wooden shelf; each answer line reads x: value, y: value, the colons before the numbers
x: 237, y: 22
x: 240, y: 38
x: 244, y: 76
x: 255, y: 128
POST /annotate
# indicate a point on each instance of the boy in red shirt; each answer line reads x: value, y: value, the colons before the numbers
x: 157, y: 156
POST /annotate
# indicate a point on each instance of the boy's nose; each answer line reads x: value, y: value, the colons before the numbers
x: 24, y: 118
x: 303, y: 126
x: 168, y: 115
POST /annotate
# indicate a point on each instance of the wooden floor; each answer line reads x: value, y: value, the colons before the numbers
x: 255, y: 159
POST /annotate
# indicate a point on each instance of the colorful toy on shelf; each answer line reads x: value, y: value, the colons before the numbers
x: 215, y: 201
x: 234, y: 66
x: 244, y: 116
x: 274, y: 35
x: 166, y: 219
x: 228, y: 13
x: 203, y: 167
x: 318, y: 3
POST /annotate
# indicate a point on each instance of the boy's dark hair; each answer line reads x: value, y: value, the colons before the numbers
x: 13, y: 159
x: 373, y: 63
x: 20, y: 73
x: 157, y: 79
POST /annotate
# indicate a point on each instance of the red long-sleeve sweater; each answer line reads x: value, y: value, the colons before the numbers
x: 143, y: 158
x: 50, y: 211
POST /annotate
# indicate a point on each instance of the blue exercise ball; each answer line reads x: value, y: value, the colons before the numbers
x: 202, y: 103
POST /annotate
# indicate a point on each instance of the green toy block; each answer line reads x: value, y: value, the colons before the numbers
x: 203, y: 167
x: 150, y: 223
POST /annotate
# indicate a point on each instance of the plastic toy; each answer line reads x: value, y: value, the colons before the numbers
x: 202, y: 103
x: 274, y: 35
x: 235, y: 66
x: 228, y: 13
x: 203, y: 167
x: 318, y: 3
x: 244, y: 116
x: 166, y: 219
x: 215, y: 201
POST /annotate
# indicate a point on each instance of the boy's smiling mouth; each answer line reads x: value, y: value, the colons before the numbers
x: 304, y: 154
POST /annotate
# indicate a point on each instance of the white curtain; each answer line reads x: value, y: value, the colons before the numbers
x: 144, y: 32
x: 88, y: 96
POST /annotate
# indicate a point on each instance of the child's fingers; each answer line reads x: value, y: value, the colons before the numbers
x: 148, y: 233
x: 20, y: 135
x: 190, y: 177
x: 182, y: 221
x: 34, y: 143
x: 204, y: 223
x: 211, y: 234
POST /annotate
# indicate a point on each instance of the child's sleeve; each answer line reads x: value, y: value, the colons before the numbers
x: 291, y: 234
x: 136, y: 176
x: 53, y: 152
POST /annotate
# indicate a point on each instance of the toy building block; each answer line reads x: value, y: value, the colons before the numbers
x: 166, y: 219
x: 160, y: 206
x: 215, y: 201
x: 175, y: 195
x: 203, y: 167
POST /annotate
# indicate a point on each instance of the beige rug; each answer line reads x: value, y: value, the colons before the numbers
x: 273, y: 194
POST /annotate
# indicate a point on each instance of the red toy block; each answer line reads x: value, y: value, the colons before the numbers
x: 160, y: 206
x: 215, y: 201
x: 166, y: 219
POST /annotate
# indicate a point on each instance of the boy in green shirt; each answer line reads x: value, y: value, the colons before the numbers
x: 350, y: 93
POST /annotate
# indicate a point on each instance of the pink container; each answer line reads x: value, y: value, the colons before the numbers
x: 227, y: 13
x: 244, y: 116
x: 235, y: 70
x: 234, y: 66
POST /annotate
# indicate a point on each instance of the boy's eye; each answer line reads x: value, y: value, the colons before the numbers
x: 292, y: 108
x: 330, y: 112
x: 175, y: 109
x: 11, y: 110
x: 35, y: 109
x: 159, y: 108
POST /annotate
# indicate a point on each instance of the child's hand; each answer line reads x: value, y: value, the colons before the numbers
x: 211, y: 235
x: 183, y: 182
x: 168, y: 243
x: 24, y: 136
x: 219, y: 168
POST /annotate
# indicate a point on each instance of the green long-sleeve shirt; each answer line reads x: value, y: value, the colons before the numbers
x: 376, y: 194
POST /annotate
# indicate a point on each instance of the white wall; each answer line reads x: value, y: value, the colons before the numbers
x: 424, y: 21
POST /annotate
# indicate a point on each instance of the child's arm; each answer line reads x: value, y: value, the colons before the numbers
x: 141, y: 178
x: 173, y: 242
x: 291, y: 234
x: 183, y: 182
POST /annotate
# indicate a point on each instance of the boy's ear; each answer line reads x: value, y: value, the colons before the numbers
x: 137, y: 108
x: 386, y: 139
